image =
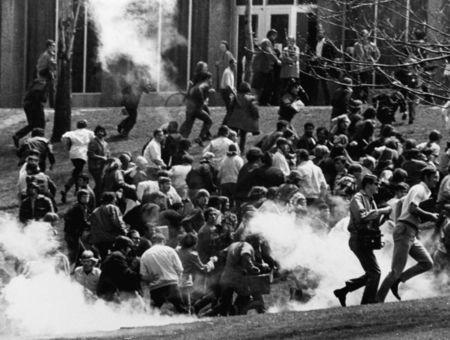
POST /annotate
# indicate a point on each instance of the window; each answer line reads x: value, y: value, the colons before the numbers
x: 280, y: 2
x: 86, y: 70
x: 254, y: 3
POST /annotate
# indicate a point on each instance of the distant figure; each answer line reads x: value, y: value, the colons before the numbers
x: 244, y: 114
x: 33, y: 105
x: 225, y: 57
x: 290, y: 64
x: 366, y: 54
x: 197, y: 108
x: 131, y: 96
x: 46, y: 70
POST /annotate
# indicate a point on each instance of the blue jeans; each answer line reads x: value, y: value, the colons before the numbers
x: 405, y: 243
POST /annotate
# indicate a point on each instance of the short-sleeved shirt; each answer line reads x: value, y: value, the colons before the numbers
x: 89, y: 280
x: 153, y: 152
x: 417, y: 194
x: 79, y: 139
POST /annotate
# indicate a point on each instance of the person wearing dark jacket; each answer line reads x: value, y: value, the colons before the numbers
x: 35, y: 206
x: 342, y: 98
x: 196, y: 108
x: 263, y: 65
x: 202, y: 177
x: 307, y: 141
x: 171, y: 144
x: 364, y: 221
x: 246, y: 177
x: 268, y: 175
x: 33, y: 104
x: 244, y: 114
x: 76, y: 221
x: 143, y: 218
x: 117, y: 278
x: 106, y: 223
x: 39, y: 143
x: 131, y: 96
x: 323, y: 56
x: 291, y: 103
x: 98, y: 153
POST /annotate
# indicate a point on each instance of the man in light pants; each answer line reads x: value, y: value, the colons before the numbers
x: 405, y: 236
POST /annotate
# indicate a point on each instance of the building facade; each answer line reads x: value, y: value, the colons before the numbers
x: 27, y: 24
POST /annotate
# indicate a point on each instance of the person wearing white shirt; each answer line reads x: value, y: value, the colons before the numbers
x: 227, y: 88
x: 161, y: 270
x: 219, y: 146
x: 163, y: 185
x: 434, y: 138
x: 178, y: 174
x: 77, y: 141
x: 229, y: 169
x: 279, y: 159
x: 313, y: 183
x: 406, y: 233
x: 152, y: 152
x: 146, y: 187
x: 87, y: 274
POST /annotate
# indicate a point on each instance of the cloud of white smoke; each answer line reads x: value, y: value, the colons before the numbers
x: 324, y: 261
x: 35, y: 300
x: 130, y: 30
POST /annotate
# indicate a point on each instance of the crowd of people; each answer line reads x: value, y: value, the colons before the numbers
x: 175, y: 228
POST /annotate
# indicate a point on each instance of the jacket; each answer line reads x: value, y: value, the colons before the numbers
x: 76, y: 221
x: 28, y: 211
x: 106, y: 223
x: 97, y: 148
x: 117, y: 276
x: 244, y: 114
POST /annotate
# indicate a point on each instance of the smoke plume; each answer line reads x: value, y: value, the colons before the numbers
x: 131, y: 44
x: 322, y: 261
x: 37, y: 300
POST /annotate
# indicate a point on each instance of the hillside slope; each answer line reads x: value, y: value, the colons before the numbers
x: 417, y: 319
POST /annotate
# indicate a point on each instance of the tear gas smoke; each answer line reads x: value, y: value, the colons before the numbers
x: 131, y: 45
x: 321, y: 261
x: 37, y: 300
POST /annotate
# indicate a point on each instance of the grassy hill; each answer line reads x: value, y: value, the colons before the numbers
x: 419, y: 319
x: 149, y: 119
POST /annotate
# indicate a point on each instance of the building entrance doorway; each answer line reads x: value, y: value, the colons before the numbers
x: 288, y: 20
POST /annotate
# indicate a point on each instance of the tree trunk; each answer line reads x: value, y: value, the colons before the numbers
x: 63, y: 105
x: 63, y: 101
x: 248, y: 41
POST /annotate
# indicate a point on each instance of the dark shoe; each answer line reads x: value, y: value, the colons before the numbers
x: 16, y: 141
x: 341, y: 294
x: 394, y: 290
x: 63, y: 197
x: 404, y: 116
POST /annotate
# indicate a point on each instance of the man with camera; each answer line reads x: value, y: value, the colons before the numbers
x: 365, y: 236
x: 406, y: 232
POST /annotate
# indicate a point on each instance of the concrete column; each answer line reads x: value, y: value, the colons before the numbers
x: 220, y: 28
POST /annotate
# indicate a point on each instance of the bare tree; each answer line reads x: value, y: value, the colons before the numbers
x: 69, y: 12
x: 393, y: 26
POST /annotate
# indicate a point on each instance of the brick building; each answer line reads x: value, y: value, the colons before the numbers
x: 27, y: 24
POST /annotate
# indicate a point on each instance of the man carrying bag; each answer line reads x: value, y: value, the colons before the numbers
x: 365, y: 236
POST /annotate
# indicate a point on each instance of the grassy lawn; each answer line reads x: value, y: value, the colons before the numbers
x: 149, y: 119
